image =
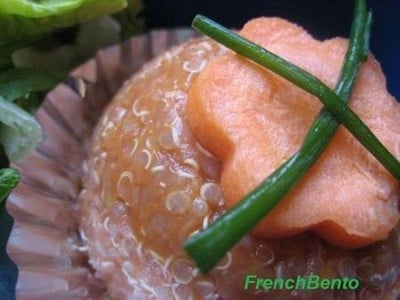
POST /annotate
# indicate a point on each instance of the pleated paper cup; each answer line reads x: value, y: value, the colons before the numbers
x: 45, y: 241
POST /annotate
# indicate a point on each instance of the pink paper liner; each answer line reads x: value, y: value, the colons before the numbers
x: 45, y: 241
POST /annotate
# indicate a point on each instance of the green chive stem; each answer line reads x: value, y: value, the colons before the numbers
x: 209, y: 246
x: 9, y: 178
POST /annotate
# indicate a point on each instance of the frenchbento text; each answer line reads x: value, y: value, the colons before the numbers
x: 311, y: 282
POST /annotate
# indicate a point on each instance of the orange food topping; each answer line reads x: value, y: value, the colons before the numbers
x: 253, y: 120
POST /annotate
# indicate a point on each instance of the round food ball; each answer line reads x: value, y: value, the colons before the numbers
x: 149, y: 185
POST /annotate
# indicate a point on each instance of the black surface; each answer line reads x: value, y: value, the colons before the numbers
x: 323, y: 18
x: 8, y: 270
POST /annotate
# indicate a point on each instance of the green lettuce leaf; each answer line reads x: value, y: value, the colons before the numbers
x: 19, y: 18
x: 59, y: 61
x: 19, y: 131
x: 9, y: 179
x: 95, y: 35
x: 6, y: 49
x: 20, y: 82
x: 131, y: 22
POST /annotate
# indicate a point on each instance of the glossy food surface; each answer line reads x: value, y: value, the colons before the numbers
x: 149, y: 184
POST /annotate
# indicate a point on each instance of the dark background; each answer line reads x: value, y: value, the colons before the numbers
x: 322, y: 18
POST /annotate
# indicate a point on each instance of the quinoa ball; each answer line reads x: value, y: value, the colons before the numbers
x: 149, y: 185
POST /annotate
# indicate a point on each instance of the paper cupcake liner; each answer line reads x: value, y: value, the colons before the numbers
x: 45, y: 241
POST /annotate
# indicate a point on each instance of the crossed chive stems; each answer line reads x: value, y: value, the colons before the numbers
x: 209, y: 246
